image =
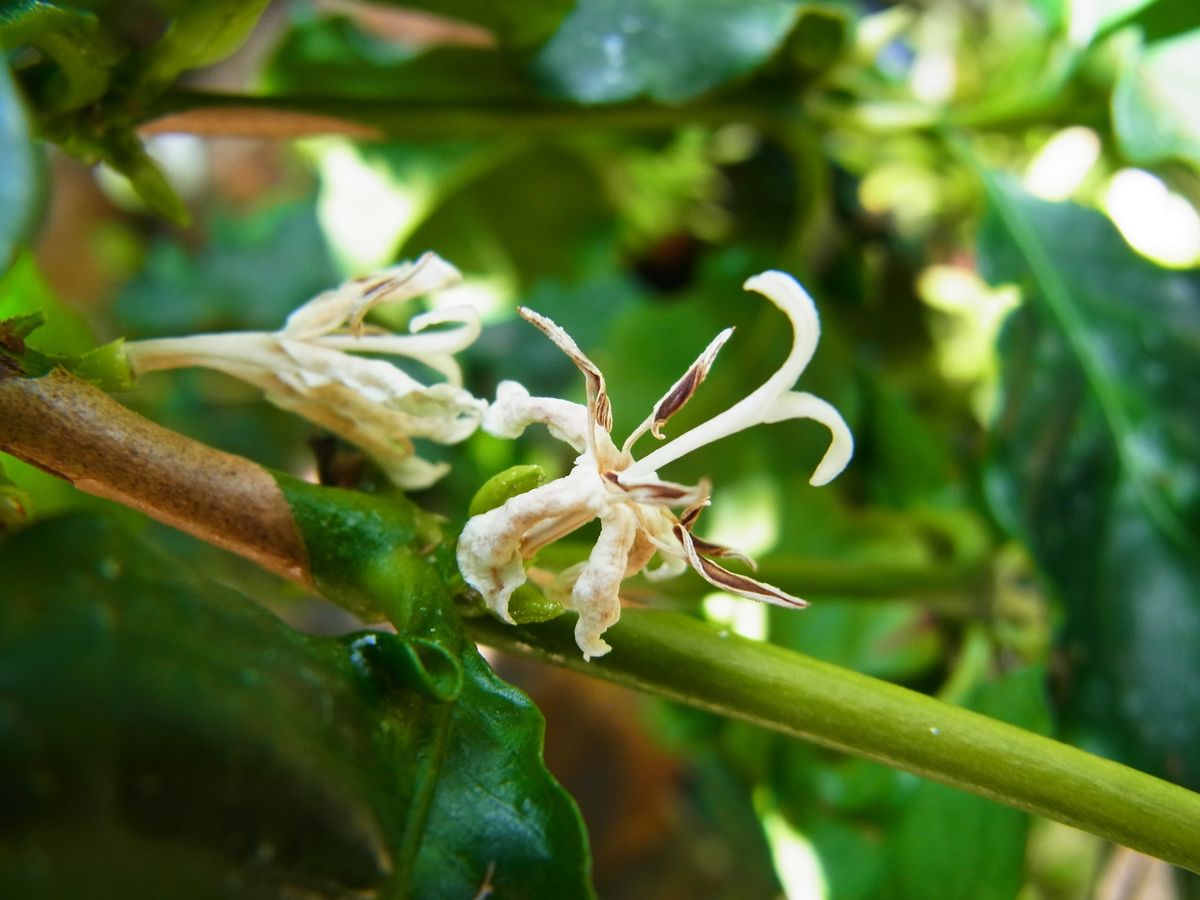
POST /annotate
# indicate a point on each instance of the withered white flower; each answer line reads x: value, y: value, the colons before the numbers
x: 633, y: 504
x: 307, y: 367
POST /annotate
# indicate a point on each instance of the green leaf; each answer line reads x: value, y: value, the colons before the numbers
x: 204, y: 32
x: 1156, y: 108
x: 164, y: 729
x: 82, y: 52
x: 20, y: 172
x: 163, y: 736
x: 125, y: 152
x: 496, y: 813
x: 1094, y: 466
x: 496, y: 809
x: 612, y: 50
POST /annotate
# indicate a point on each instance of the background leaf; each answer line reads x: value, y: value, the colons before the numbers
x: 1110, y: 506
x: 20, y: 172
x: 607, y: 51
x: 1155, y: 107
x: 203, y: 32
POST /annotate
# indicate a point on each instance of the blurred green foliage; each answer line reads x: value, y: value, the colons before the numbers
x: 1020, y: 529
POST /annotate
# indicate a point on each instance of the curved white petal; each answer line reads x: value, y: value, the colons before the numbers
x: 515, y: 410
x: 786, y: 293
x: 800, y: 405
x: 489, y: 549
x: 347, y: 304
x: 596, y: 595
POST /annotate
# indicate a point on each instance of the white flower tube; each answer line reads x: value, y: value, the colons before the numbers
x: 308, y: 367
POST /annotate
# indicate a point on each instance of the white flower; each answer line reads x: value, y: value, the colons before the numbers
x: 307, y: 367
x: 633, y: 504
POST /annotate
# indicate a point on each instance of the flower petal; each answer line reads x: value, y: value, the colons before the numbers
x: 742, y: 585
x: 347, y: 304
x: 431, y: 348
x: 720, y: 551
x: 681, y: 391
x: 786, y: 293
x: 662, y: 493
x: 489, y: 548
x: 800, y: 405
x: 515, y: 410
x: 596, y: 595
x: 597, y: 395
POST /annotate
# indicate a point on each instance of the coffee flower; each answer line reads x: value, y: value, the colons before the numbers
x: 634, y: 506
x: 308, y: 367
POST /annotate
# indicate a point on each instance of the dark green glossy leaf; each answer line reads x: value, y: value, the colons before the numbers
x: 1156, y: 109
x: 20, y: 172
x: 1094, y: 466
x: 609, y: 50
x: 212, y: 748
x: 496, y: 815
x: 165, y: 737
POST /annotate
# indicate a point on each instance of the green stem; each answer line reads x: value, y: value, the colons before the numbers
x: 194, y: 111
x: 689, y: 661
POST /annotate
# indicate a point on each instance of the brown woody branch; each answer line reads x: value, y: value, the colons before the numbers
x: 78, y: 433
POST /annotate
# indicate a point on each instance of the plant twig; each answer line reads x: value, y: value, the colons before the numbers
x: 77, y: 432
x: 687, y: 660
x: 296, y: 116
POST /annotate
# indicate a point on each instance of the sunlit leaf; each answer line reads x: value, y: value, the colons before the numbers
x: 1094, y: 465
x: 607, y: 50
x: 1156, y: 108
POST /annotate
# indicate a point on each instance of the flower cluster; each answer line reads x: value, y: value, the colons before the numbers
x: 636, y: 509
x: 308, y: 367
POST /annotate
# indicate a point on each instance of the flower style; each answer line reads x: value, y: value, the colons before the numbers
x: 307, y: 367
x: 634, y: 506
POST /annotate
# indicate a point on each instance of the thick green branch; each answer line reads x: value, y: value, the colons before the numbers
x: 686, y: 660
